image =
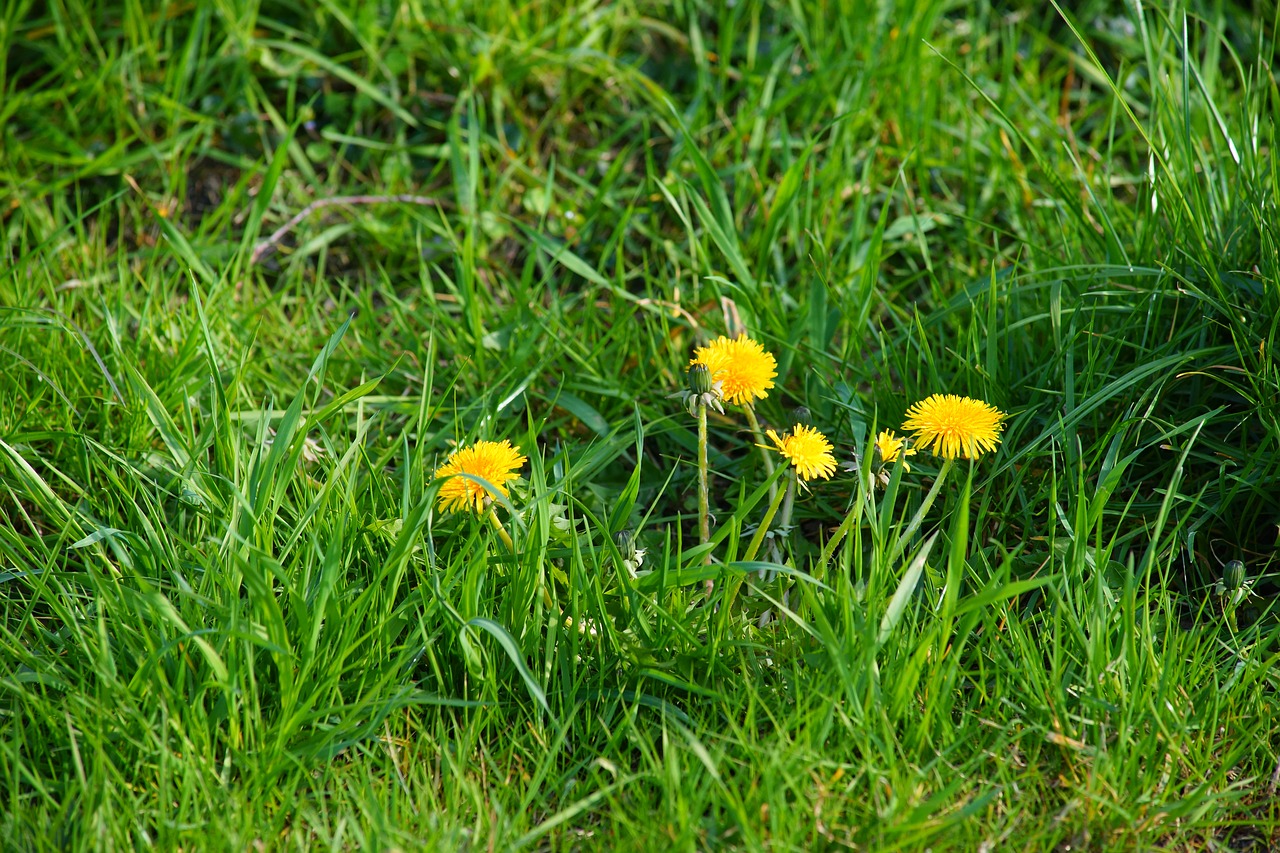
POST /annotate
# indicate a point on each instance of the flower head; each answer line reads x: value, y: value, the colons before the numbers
x: 495, y: 462
x: 950, y: 425
x: 884, y: 452
x: 888, y: 446
x: 808, y: 450
x: 742, y: 368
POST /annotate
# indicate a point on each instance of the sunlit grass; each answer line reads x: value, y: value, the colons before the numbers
x: 232, y: 610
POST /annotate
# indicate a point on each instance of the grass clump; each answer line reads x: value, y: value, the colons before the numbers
x: 236, y: 609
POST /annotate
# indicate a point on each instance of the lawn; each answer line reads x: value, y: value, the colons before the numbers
x: 351, y: 483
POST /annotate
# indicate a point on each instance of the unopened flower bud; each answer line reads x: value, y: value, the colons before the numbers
x: 801, y: 415
x: 1233, y: 575
x: 625, y: 540
x: 699, y: 379
x: 632, y: 557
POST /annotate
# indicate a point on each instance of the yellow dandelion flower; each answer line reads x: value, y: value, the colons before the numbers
x: 890, y: 446
x: 808, y: 450
x: 951, y: 426
x: 495, y: 462
x: 743, y: 369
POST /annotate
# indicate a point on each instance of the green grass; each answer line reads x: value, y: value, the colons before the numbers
x: 230, y: 614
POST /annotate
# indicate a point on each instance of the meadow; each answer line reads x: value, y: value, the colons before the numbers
x: 351, y: 479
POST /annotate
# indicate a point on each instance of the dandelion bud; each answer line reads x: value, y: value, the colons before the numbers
x: 632, y: 557
x: 699, y: 379
x: 625, y: 540
x: 801, y: 415
x: 1233, y: 575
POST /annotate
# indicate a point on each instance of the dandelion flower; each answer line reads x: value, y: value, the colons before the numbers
x: 890, y: 446
x: 951, y: 426
x: 808, y: 450
x: 495, y: 462
x: 741, y: 367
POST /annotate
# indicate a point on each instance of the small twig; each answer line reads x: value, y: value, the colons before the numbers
x: 263, y: 247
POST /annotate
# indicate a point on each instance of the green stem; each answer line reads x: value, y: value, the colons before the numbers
x: 836, y: 538
x: 502, y: 531
x: 788, y: 503
x: 764, y: 452
x: 704, y: 494
x: 506, y: 538
x: 784, y: 523
x: 768, y: 519
x: 761, y: 531
x: 849, y: 520
x: 916, y: 519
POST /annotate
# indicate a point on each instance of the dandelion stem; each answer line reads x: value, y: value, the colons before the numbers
x: 506, y: 538
x: 836, y: 538
x: 704, y: 495
x: 502, y: 531
x: 784, y: 525
x: 914, y: 525
x: 768, y: 519
x: 916, y: 519
x: 789, y: 502
x: 759, y: 437
x: 756, y: 540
